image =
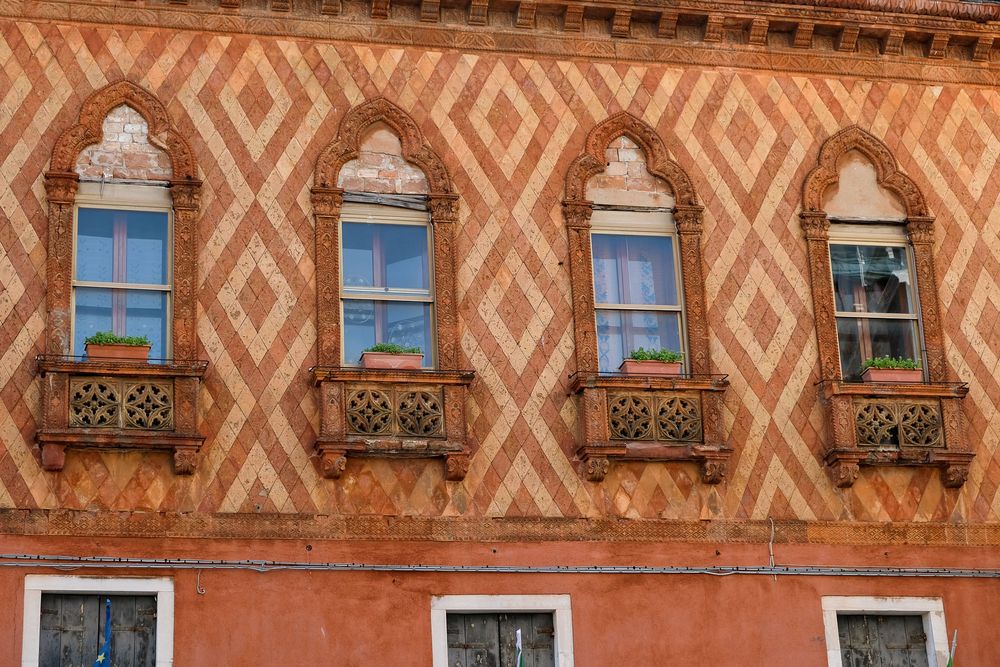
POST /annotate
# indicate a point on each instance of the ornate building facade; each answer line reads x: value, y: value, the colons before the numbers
x: 527, y: 192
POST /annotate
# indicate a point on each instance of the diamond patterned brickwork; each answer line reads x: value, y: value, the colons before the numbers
x: 258, y: 111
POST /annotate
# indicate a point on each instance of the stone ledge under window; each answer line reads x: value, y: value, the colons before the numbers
x: 119, y: 405
x: 652, y: 418
x: 392, y: 414
x: 918, y: 424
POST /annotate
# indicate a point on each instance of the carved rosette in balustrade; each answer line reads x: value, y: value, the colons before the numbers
x: 392, y: 414
x: 110, y: 405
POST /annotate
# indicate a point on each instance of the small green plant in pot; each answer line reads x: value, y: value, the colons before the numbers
x: 653, y: 362
x: 107, y: 345
x: 891, y: 369
x: 391, y: 355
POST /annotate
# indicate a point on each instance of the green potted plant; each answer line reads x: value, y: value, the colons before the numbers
x: 106, y: 345
x: 391, y: 355
x: 653, y: 362
x: 891, y: 369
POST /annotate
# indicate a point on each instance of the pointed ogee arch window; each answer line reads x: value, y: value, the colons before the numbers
x: 634, y: 225
x: 123, y: 195
x: 385, y: 216
x: 870, y: 244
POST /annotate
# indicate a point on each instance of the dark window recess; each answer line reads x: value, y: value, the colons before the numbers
x: 73, y: 629
x: 882, y: 641
x: 489, y: 640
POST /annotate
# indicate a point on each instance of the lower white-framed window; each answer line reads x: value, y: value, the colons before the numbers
x: 861, y: 630
x: 132, y: 593
x: 453, y: 616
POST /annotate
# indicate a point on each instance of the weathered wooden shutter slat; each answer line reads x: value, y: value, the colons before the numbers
x: 72, y: 630
x: 882, y: 641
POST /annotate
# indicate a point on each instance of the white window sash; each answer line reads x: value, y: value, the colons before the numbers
x: 931, y: 610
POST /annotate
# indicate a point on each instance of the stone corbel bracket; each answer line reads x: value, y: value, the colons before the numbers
x: 920, y: 424
x: 652, y: 418
x: 392, y: 414
x: 112, y: 405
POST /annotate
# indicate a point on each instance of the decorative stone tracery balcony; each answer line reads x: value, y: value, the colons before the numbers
x: 119, y: 405
x: 652, y: 418
x: 392, y: 413
x: 910, y: 424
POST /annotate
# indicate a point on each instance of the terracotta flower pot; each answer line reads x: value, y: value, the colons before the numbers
x: 390, y: 360
x: 893, y: 375
x: 649, y: 367
x: 119, y: 352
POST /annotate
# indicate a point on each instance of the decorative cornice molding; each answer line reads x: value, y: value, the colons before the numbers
x: 199, y: 525
x: 919, y: 40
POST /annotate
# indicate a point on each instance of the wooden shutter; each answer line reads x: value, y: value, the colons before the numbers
x: 72, y: 630
x: 489, y: 640
x: 882, y: 641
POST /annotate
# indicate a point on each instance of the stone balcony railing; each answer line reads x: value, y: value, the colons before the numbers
x: 897, y: 424
x: 392, y: 414
x: 119, y: 405
x: 652, y: 418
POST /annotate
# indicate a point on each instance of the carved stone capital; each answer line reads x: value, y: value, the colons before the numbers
x: 577, y: 214
x: 595, y: 468
x: 955, y: 475
x: 443, y: 207
x: 327, y: 201
x: 920, y: 230
x: 688, y: 219
x: 185, y: 460
x: 845, y: 466
x: 61, y: 187
x: 456, y: 467
x: 186, y: 195
x: 816, y: 225
x: 332, y: 464
x: 713, y: 471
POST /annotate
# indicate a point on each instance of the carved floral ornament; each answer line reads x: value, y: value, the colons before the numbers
x: 367, y: 412
x: 108, y: 405
x: 639, y: 417
x: 880, y: 424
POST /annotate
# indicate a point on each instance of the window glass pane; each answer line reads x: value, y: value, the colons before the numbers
x: 122, y: 246
x: 369, y: 322
x: 385, y: 256
x: 93, y: 314
x: 147, y: 252
x: 146, y: 315
x: 94, y: 245
x: 871, y: 279
x: 619, y: 332
x: 863, y: 338
x: 634, y: 269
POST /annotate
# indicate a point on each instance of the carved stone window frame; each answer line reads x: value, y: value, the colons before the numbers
x: 335, y: 381
x: 845, y: 401
x: 57, y: 366
x: 699, y: 384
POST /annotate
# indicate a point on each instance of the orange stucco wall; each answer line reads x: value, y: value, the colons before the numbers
x: 359, y: 618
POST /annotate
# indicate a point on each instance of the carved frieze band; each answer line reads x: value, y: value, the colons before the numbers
x: 903, y: 34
